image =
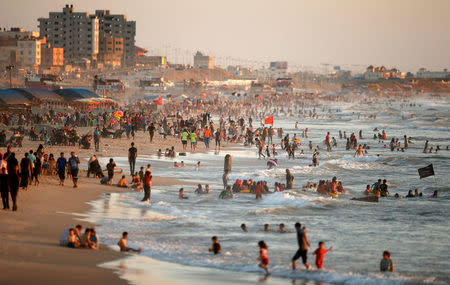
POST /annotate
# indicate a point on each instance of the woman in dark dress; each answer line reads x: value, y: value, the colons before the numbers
x: 14, y: 186
x: 37, y: 170
x: 25, y: 172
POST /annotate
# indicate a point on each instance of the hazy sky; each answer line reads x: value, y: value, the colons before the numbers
x: 353, y: 33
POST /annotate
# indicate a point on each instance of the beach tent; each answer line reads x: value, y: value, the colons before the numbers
x: 71, y: 94
x: 10, y: 97
x: 38, y: 96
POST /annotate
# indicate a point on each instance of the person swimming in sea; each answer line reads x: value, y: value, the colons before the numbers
x: 244, y: 228
x: 226, y: 194
x: 282, y: 228
x: 181, y: 194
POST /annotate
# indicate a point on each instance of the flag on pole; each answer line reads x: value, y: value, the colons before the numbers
x: 269, y: 120
x: 426, y: 171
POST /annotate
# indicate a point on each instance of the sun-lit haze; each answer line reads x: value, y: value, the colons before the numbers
x: 408, y: 34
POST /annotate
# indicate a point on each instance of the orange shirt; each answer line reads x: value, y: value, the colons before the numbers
x: 207, y: 133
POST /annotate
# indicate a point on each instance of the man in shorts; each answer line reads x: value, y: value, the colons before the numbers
x: 61, y: 164
x: 73, y: 164
x: 303, y: 245
x: 184, y: 139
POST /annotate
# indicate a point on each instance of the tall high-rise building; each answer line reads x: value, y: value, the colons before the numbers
x: 117, y: 26
x: 76, y: 32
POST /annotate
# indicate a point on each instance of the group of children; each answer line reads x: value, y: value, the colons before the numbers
x: 386, y: 264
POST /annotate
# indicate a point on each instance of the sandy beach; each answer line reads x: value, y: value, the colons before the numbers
x: 29, y: 244
x: 29, y: 247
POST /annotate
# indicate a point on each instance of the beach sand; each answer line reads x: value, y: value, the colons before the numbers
x: 29, y: 243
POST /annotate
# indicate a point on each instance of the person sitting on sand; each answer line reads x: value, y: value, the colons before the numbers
x: 63, y: 240
x: 123, y: 244
x: 136, y: 183
x: 215, y: 246
x: 94, y: 238
x: 122, y: 182
x: 72, y: 240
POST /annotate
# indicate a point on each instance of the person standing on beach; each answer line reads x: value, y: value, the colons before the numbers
x: 74, y: 161
x: 151, y: 131
x: 97, y: 139
x: 61, y: 163
x: 207, y: 136
x: 147, y: 185
x: 132, y: 155
x: 14, y: 181
x: 184, y: 139
x: 4, y: 187
x: 110, y: 167
x: 303, y: 245
x: 25, y: 172
x: 289, y: 179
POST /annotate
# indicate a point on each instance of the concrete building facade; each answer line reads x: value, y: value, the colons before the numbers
x: 76, y: 32
x: 51, y: 56
x: 203, y: 61
x: 111, y: 51
x: 29, y: 52
x: 117, y: 26
x: 424, y: 73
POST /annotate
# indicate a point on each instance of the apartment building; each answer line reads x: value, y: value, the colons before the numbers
x: 29, y: 52
x: 111, y: 51
x: 203, y: 61
x: 76, y: 32
x: 51, y: 56
x: 117, y: 26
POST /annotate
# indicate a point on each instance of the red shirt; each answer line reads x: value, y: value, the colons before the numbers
x: 320, y: 253
x: 147, y: 179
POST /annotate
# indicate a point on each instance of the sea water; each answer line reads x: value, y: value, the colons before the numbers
x: 415, y: 231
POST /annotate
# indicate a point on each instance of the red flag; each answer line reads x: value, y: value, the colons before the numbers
x: 269, y: 120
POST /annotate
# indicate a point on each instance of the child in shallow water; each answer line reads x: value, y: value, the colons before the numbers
x: 263, y: 258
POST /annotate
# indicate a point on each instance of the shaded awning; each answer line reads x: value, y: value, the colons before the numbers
x: 71, y: 94
x: 13, y: 97
x: 40, y: 94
